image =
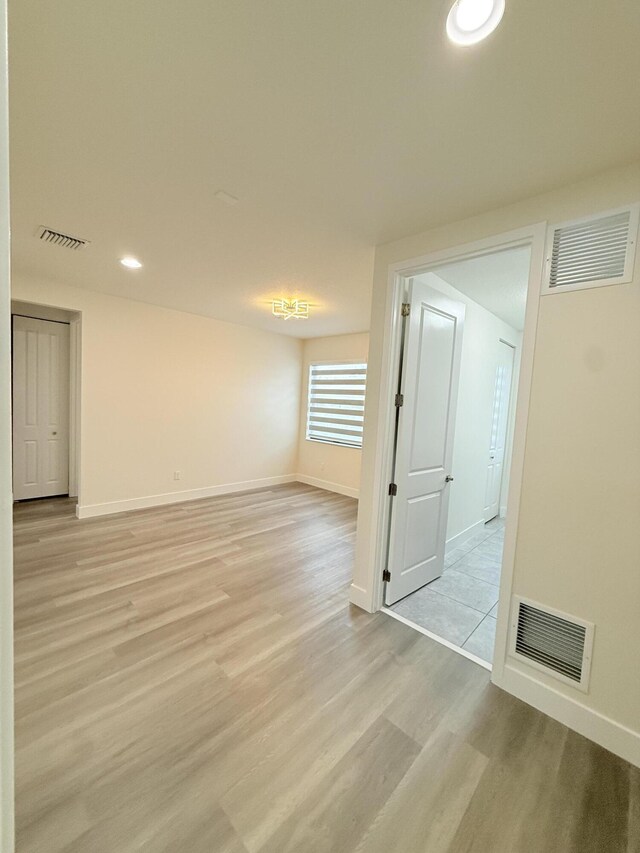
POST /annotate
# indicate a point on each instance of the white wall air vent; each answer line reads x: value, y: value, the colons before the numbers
x: 553, y: 642
x: 57, y: 238
x: 592, y: 252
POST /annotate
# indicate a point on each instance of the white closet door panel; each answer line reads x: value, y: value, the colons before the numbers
x: 40, y: 408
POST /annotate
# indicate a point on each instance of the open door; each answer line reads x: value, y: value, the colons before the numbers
x: 424, y: 444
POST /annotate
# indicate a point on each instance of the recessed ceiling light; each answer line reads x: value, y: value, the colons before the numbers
x: 470, y: 21
x: 130, y: 263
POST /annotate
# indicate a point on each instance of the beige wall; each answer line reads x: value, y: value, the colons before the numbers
x: 6, y: 570
x: 480, y: 342
x: 578, y: 547
x: 327, y: 465
x: 166, y: 391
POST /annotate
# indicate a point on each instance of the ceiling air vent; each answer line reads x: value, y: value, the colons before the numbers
x: 592, y: 252
x: 57, y: 238
x: 551, y: 641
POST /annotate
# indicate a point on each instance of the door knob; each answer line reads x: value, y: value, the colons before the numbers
x: 448, y: 479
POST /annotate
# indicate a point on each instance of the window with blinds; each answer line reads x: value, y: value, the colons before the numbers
x: 335, y: 411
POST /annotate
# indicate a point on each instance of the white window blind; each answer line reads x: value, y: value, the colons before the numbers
x: 335, y: 412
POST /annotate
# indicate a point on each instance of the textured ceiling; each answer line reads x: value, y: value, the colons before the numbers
x: 336, y: 124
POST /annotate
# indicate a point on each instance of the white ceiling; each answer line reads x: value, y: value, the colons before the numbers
x: 336, y: 124
x: 498, y: 282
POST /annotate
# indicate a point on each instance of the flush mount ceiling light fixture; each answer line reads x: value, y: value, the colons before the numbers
x: 286, y: 309
x: 470, y: 21
x: 130, y: 263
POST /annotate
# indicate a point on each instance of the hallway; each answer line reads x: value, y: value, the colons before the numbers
x: 461, y: 605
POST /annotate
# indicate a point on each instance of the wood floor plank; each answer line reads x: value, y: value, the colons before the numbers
x: 424, y: 813
x: 358, y: 786
x: 191, y: 679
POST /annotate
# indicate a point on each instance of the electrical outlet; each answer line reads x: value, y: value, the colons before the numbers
x: 177, y: 475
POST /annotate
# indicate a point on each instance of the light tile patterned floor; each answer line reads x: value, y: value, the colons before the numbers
x: 461, y: 605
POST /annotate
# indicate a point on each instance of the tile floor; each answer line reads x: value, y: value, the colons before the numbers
x: 460, y: 606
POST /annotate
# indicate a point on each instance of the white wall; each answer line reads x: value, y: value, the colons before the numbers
x: 480, y: 342
x: 577, y: 546
x: 6, y: 567
x: 327, y: 465
x: 165, y: 391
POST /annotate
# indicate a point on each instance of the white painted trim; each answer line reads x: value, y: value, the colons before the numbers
x: 503, y: 512
x: 465, y: 654
x: 329, y: 486
x: 93, y: 510
x: 525, y: 378
x: 619, y: 739
x: 75, y: 369
x: 7, y: 819
x: 460, y: 538
x: 377, y: 525
x: 358, y: 596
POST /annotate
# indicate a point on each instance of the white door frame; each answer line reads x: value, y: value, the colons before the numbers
x: 7, y: 809
x: 534, y: 237
x: 75, y: 362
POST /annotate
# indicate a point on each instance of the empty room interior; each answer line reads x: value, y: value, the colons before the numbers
x: 316, y: 322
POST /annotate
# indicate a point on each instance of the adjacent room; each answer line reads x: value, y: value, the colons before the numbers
x: 454, y: 592
x: 315, y: 320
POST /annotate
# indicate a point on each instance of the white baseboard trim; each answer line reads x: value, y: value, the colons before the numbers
x: 460, y: 538
x: 604, y: 731
x: 93, y: 510
x: 360, y: 597
x: 330, y: 487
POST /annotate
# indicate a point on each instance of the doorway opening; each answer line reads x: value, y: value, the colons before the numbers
x: 458, y: 375
x: 45, y: 356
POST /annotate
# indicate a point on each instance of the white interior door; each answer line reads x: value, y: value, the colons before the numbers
x: 499, y: 428
x: 424, y: 450
x: 40, y: 408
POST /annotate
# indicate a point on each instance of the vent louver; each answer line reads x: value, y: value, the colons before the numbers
x: 57, y: 238
x: 592, y: 252
x: 557, y: 643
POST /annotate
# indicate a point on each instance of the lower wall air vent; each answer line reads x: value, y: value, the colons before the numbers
x: 57, y: 238
x: 553, y: 642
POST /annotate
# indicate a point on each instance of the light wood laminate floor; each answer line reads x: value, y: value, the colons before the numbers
x: 191, y: 679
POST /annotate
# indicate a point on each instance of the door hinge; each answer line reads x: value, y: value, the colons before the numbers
x: 399, y: 400
x: 393, y: 489
x: 386, y: 575
x: 406, y: 308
